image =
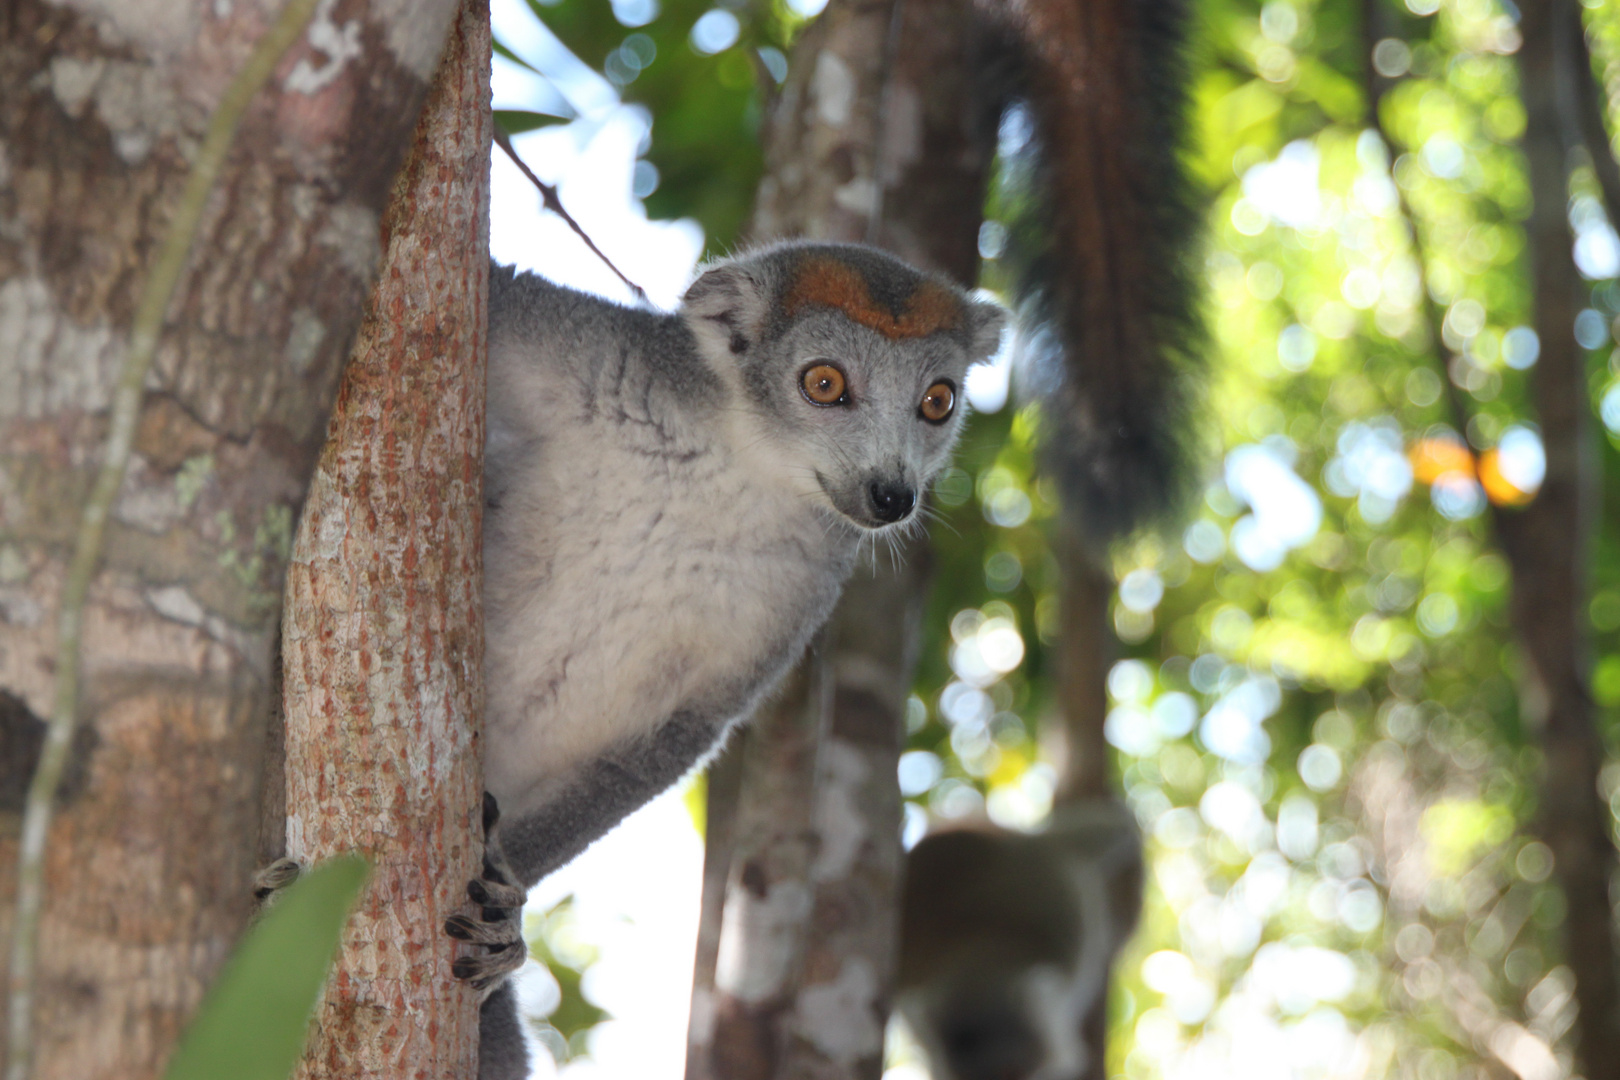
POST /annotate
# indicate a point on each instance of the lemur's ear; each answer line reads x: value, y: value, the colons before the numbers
x: 726, y: 308
x: 985, y: 323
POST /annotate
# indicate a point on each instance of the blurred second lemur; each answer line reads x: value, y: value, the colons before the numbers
x: 1007, y: 940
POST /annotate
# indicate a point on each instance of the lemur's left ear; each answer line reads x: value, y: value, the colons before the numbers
x: 726, y: 308
x: 985, y: 323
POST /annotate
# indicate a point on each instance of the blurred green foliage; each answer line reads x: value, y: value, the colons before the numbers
x: 701, y: 69
x: 555, y: 942
x: 1315, y: 709
x: 253, y: 1023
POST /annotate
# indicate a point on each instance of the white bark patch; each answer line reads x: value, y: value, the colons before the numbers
x: 859, y: 196
x: 840, y: 1018
x: 73, y: 81
x: 173, y: 602
x: 49, y: 362
x: 351, y: 232
x: 340, y: 44
x: 159, y: 27
x: 20, y: 607
x: 148, y: 500
x: 305, y: 338
x: 700, y: 1026
x: 415, y: 32
x: 297, y: 848
x: 843, y: 770
x: 832, y: 89
x: 769, y: 927
x: 138, y: 104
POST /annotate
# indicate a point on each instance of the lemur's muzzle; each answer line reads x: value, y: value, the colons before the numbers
x: 891, y: 501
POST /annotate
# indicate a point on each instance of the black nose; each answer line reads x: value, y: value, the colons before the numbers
x: 891, y: 501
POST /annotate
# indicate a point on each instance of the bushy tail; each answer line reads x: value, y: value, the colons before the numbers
x: 1102, y: 229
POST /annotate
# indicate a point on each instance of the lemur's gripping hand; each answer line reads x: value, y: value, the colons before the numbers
x: 268, y: 883
x: 499, y: 928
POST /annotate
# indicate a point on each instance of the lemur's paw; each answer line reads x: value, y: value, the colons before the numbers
x: 499, y: 927
x: 269, y: 882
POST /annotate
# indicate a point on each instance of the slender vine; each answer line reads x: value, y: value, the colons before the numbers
x: 553, y: 202
x: 88, y: 546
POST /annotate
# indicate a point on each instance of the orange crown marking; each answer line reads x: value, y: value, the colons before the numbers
x: 834, y: 284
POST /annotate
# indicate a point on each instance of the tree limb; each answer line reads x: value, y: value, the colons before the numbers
x: 88, y: 546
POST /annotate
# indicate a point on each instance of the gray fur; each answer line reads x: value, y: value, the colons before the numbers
x: 670, y: 520
x: 502, y: 1051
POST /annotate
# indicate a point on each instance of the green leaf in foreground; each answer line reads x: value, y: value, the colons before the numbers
x: 253, y: 1023
x: 517, y: 121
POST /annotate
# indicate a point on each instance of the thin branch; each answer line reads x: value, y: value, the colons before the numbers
x: 548, y: 193
x: 126, y: 406
x: 1376, y: 87
x: 1594, y: 134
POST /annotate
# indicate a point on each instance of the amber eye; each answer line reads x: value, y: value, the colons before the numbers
x: 823, y: 384
x: 938, y: 403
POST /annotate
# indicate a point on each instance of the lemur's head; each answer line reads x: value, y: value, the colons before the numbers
x: 850, y: 366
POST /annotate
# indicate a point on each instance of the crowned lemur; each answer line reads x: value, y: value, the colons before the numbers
x: 1006, y: 941
x: 673, y: 504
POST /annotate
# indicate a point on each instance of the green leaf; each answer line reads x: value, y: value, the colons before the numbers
x: 516, y: 121
x: 504, y: 50
x: 253, y: 1023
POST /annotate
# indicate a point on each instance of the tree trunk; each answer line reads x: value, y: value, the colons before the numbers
x: 383, y: 636
x: 150, y: 856
x: 1085, y: 651
x: 768, y: 894
x: 874, y: 138
x: 1548, y: 546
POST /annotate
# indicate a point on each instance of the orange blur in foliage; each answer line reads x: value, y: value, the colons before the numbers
x: 1433, y: 459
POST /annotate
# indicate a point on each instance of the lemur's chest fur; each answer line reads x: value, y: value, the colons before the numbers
x: 644, y: 569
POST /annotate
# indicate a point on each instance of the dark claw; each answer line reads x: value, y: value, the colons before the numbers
x: 492, y: 812
x: 459, y: 926
x: 494, y: 873
x: 476, y: 890
x: 464, y: 968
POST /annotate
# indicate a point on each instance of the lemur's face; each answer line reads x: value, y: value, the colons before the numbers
x: 855, y: 370
x: 871, y: 419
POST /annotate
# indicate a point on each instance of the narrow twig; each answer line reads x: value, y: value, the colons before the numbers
x: 548, y: 193
x: 126, y: 406
x: 1593, y: 132
x: 1376, y: 87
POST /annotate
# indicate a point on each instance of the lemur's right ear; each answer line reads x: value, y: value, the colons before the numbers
x: 726, y: 308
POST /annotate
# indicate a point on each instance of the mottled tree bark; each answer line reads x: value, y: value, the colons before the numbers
x: 151, y: 852
x: 876, y: 137
x: 1086, y: 649
x: 1548, y: 545
x: 382, y: 640
x: 767, y: 894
